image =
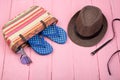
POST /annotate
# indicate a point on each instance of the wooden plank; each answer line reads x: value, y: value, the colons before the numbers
x: 13, y: 69
x: 105, y: 53
x: 85, y: 65
x: 41, y: 67
x: 20, y: 6
x: 115, y: 8
x: 70, y: 62
x: 4, y: 17
x: 62, y: 60
x: 115, y: 12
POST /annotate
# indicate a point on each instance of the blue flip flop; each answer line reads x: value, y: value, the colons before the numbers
x: 55, y: 34
x: 39, y: 45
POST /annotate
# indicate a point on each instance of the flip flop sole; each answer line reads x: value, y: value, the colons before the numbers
x: 61, y: 39
x: 39, y: 46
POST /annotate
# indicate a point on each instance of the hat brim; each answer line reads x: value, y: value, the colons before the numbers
x: 86, y: 43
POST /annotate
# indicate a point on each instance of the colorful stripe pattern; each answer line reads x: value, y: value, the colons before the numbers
x: 26, y: 24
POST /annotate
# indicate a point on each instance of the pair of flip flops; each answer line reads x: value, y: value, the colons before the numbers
x: 54, y: 33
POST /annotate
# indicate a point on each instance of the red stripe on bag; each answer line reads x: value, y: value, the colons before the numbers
x: 22, y: 20
x: 25, y: 24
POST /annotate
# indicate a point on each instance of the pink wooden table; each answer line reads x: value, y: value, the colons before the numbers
x: 68, y: 61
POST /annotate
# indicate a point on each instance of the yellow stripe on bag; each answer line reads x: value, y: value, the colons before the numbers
x: 18, y: 25
x: 19, y: 16
x: 29, y: 26
x: 27, y: 33
x: 19, y: 20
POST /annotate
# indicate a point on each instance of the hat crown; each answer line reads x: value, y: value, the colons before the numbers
x: 89, y: 21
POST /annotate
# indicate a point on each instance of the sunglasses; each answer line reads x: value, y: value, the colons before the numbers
x: 24, y: 57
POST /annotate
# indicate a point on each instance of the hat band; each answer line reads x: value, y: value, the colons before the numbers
x: 88, y: 37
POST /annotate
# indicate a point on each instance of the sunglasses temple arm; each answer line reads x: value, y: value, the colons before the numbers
x: 94, y: 52
x: 110, y: 60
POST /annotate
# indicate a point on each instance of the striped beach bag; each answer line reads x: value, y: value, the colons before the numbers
x: 25, y: 25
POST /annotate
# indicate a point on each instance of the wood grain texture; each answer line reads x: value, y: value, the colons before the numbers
x: 115, y: 69
x: 41, y: 67
x: 4, y: 17
x: 86, y: 67
x: 62, y: 60
x: 68, y: 61
x: 105, y: 53
x: 13, y: 70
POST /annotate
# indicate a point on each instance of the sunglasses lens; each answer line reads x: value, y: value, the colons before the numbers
x: 25, y: 59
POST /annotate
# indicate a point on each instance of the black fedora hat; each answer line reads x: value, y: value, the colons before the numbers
x: 88, y: 26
